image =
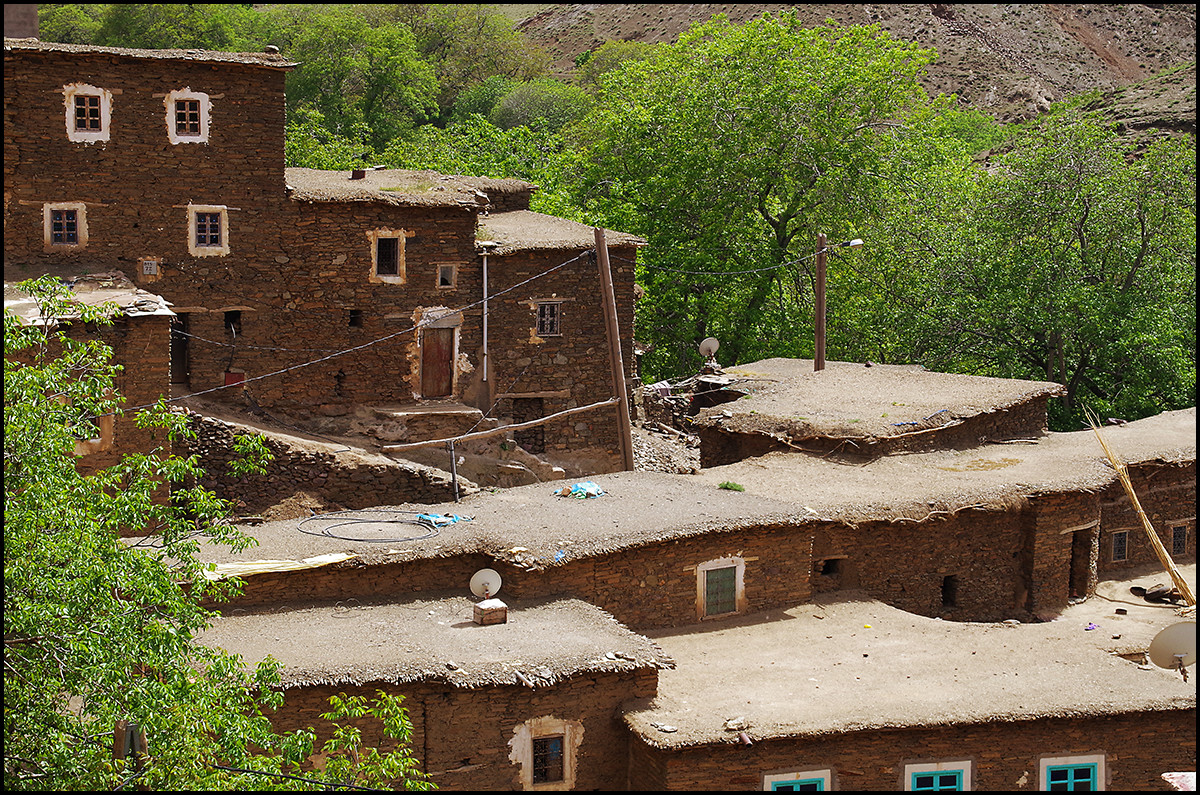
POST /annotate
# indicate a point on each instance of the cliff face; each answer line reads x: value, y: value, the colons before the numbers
x: 1009, y: 60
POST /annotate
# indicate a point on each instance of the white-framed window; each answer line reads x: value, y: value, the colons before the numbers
x: 64, y: 225
x: 1119, y: 545
x: 949, y: 776
x: 545, y: 749
x: 549, y: 319
x: 720, y: 587
x: 89, y: 113
x: 208, y: 230
x: 1067, y: 773
x: 188, y: 116
x: 798, y: 781
x: 387, y: 256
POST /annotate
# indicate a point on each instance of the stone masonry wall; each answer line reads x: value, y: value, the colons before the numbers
x: 462, y: 736
x: 336, y: 476
x: 1168, y: 496
x: 1138, y: 748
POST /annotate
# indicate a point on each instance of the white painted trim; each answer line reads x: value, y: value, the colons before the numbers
x: 205, y: 116
x: 208, y: 251
x: 739, y: 565
x: 947, y: 766
x: 521, y: 750
x: 81, y: 226
x: 72, y: 90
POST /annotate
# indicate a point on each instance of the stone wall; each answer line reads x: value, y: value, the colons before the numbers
x: 1138, y: 747
x: 1168, y: 496
x: 1026, y: 420
x: 462, y: 735
x: 326, y: 471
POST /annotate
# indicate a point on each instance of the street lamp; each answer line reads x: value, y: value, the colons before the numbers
x: 819, y: 296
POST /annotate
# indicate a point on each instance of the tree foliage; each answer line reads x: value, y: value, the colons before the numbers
x: 98, y: 629
x: 729, y: 151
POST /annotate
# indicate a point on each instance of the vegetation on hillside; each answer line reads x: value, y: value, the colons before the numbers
x: 1049, y: 251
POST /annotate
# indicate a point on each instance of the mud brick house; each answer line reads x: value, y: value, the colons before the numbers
x: 884, y: 623
x: 302, y: 290
x: 139, y: 336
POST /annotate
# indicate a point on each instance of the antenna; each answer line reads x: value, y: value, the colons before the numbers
x: 708, y: 349
x: 1175, y: 647
x: 485, y: 583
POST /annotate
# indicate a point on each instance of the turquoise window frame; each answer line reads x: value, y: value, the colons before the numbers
x: 1072, y: 779
x: 936, y: 784
x: 790, y: 786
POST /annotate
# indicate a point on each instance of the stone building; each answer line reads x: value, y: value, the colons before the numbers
x: 305, y: 291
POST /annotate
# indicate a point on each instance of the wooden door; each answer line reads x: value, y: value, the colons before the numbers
x: 437, y: 362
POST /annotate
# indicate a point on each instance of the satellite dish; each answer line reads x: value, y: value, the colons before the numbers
x: 485, y: 583
x: 708, y: 348
x: 1175, y: 646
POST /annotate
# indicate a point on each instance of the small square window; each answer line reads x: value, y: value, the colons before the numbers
x: 208, y: 230
x: 1083, y: 773
x: 949, y: 776
x: 446, y: 275
x: 937, y: 782
x: 356, y: 318
x: 87, y: 113
x: 233, y: 322
x: 89, y: 110
x: 188, y: 116
x: 547, y: 759
x: 1120, y: 546
x: 64, y: 227
x: 798, y: 781
x: 549, y: 315
x: 1179, y: 534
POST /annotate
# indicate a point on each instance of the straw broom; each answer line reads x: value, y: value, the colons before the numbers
x: 1165, y: 559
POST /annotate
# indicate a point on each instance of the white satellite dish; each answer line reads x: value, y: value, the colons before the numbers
x: 485, y: 583
x: 1175, y: 646
x: 708, y: 348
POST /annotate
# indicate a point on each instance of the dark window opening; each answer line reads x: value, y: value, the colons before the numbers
x: 356, y: 318
x: 87, y: 113
x: 549, y: 319
x: 233, y: 322
x: 950, y: 591
x: 831, y: 568
x: 720, y: 591
x: 1120, y: 546
x: 187, y: 117
x: 208, y: 229
x: 547, y: 759
x: 64, y: 227
x: 339, y: 383
x: 446, y: 276
x: 387, y: 256
x: 1179, y: 541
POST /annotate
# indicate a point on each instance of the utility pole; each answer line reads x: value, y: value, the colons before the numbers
x: 819, y: 302
x: 614, y: 348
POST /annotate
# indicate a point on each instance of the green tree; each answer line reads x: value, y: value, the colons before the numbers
x: 547, y: 103
x: 729, y: 151
x: 98, y: 629
x: 1067, y: 258
x: 593, y: 64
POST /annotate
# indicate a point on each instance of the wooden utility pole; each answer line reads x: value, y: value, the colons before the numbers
x: 614, y: 348
x: 819, y: 303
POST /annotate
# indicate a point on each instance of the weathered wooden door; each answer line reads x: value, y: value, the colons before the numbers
x: 437, y: 362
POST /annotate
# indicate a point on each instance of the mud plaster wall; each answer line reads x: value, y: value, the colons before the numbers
x: 462, y: 736
x: 1138, y: 748
x: 345, y: 480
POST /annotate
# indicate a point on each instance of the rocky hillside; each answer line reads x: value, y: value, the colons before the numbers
x: 1011, y: 60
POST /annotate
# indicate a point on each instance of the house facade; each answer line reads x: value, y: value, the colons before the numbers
x: 308, y: 291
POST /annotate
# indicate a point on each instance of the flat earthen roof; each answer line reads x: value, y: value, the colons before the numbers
x: 849, y: 400
x: 525, y: 230
x: 400, y: 187
x: 93, y: 289
x: 532, y: 526
x: 435, y: 638
x: 846, y: 662
x: 272, y: 60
